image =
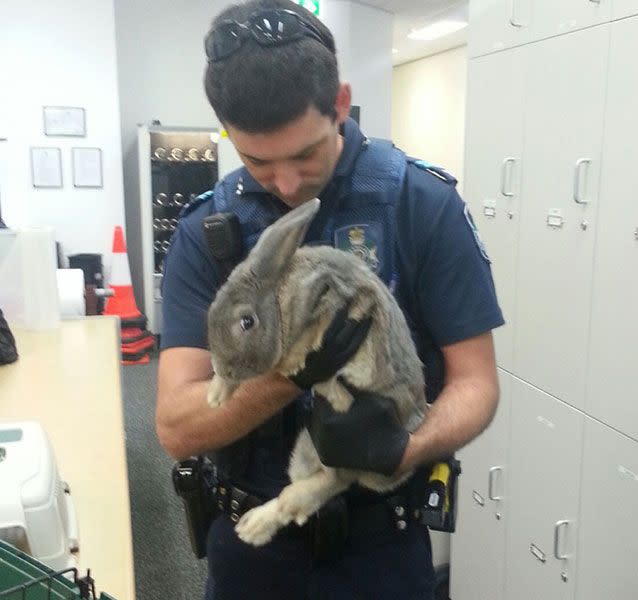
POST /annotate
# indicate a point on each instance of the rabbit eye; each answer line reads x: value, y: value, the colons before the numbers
x: 247, y: 322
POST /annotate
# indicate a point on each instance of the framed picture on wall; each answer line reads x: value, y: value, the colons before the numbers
x: 87, y: 167
x: 69, y: 121
x: 46, y: 167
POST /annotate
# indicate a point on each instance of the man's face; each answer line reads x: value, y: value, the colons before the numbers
x: 296, y: 161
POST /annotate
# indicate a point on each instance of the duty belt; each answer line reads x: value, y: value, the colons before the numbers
x: 350, y: 516
x: 428, y: 498
x: 234, y: 501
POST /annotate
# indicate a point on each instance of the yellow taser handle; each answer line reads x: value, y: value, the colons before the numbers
x: 441, y: 472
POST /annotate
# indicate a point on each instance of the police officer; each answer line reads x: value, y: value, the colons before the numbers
x: 272, y: 79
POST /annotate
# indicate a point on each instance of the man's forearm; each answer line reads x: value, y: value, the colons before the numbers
x: 461, y: 412
x: 194, y: 427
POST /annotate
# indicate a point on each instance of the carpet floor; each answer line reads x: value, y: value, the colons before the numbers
x: 165, y: 567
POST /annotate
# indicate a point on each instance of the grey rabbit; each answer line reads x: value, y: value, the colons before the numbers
x: 271, y: 312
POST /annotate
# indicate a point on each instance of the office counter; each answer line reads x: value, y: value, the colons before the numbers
x: 68, y: 379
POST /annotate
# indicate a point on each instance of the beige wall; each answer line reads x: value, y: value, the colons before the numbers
x: 428, y: 109
x: 60, y: 54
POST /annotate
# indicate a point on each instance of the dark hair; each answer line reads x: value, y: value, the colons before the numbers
x: 261, y: 88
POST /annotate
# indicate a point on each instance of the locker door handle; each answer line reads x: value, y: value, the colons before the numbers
x: 513, y: 21
x: 557, y: 528
x: 510, y: 160
x: 578, y: 196
x: 490, y: 483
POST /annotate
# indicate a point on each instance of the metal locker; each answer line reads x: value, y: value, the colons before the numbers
x: 624, y: 8
x: 478, y: 545
x: 557, y: 17
x: 565, y: 93
x: 612, y: 384
x: 497, y: 24
x: 493, y: 168
x: 608, y: 538
x: 544, y: 478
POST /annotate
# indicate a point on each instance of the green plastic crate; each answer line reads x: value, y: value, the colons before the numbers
x: 24, y: 578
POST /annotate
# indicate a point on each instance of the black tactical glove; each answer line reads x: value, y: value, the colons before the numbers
x: 368, y: 437
x: 340, y: 342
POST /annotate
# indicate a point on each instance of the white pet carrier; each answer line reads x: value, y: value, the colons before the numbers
x: 36, y: 510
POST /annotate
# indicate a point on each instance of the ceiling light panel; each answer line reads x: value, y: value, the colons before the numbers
x: 436, y: 30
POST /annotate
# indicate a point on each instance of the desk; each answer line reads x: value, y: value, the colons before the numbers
x: 68, y: 379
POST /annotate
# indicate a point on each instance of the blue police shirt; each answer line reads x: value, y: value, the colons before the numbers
x: 444, y: 285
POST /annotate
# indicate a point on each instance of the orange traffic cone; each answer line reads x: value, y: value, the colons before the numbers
x: 130, y: 348
x: 136, y: 340
x: 141, y: 359
x: 132, y: 334
x: 122, y: 302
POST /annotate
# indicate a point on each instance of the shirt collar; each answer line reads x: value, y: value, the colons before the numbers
x: 353, y: 142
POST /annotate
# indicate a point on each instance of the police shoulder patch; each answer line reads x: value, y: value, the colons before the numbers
x: 364, y: 241
x: 475, y: 232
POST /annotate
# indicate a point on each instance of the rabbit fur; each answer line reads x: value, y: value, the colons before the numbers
x: 272, y: 311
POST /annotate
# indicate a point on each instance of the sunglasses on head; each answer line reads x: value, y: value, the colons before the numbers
x: 269, y: 27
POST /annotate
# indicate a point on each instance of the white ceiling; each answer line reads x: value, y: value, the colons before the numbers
x: 414, y: 14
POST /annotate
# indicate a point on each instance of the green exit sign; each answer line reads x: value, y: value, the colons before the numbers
x: 311, y: 5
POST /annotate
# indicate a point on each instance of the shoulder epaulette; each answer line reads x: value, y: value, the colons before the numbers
x: 189, y: 207
x: 438, y: 172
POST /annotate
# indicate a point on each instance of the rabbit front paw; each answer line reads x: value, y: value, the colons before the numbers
x: 298, y: 502
x: 218, y: 392
x: 259, y: 525
x: 338, y: 396
x: 341, y: 399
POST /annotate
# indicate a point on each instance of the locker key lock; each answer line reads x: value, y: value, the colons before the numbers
x: 510, y: 215
x: 584, y: 225
x: 563, y: 576
x: 498, y: 516
x: 636, y: 233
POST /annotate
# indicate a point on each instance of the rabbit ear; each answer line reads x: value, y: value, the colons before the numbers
x: 278, y: 243
x: 319, y: 291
